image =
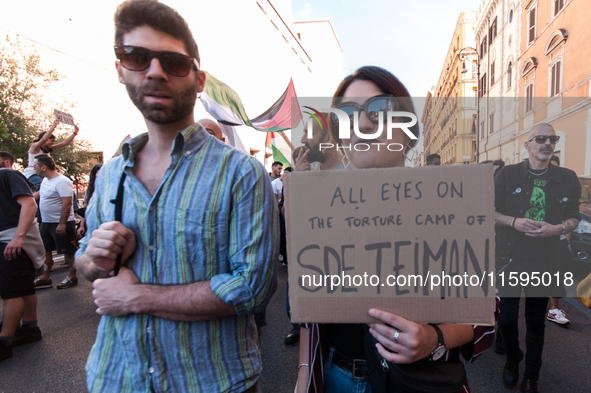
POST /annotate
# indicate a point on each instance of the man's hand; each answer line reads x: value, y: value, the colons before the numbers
x: 527, y: 225
x: 302, y: 164
x: 114, y: 296
x: 13, y: 248
x: 110, y: 240
x: 543, y: 229
x: 60, y: 230
x: 81, y: 232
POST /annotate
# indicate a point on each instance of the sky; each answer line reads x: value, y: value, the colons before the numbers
x: 409, y: 38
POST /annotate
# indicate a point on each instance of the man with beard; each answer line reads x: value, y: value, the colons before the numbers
x: 179, y: 277
x: 316, y: 156
x: 535, y: 204
x: 276, y: 169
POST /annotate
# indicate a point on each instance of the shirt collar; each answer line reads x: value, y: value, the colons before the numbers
x: 188, y: 141
x: 554, y: 175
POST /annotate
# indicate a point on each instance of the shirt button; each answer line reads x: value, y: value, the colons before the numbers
x: 151, y: 248
x: 188, y: 152
x: 149, y: 330
x: 151, y: 370
x: 151, y: 208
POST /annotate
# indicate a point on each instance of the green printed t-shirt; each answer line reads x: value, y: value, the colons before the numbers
x: 527, y: 246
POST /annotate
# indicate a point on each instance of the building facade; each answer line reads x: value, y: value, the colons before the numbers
x: 548, y: 82
x: 498, y: 38
x: 449, y: 114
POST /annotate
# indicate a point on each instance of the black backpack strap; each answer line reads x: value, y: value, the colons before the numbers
x: 118, y: 201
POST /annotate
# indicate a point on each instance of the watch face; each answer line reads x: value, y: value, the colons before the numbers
x: 438, y: 353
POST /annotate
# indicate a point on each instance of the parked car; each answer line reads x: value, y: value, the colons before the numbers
x: 580, y: 238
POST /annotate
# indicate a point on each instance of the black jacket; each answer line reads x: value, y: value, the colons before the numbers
x: 512, y: 196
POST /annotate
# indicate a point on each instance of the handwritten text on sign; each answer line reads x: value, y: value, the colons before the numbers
x: 64, y: 117
x: 423, y: 232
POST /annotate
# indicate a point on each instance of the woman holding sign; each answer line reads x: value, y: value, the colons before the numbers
x: 393, y: 354
x: 45, y: 144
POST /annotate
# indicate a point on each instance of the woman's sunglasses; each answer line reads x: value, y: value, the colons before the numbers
x: 541, y: 139
x: 372, y: 108
x: 136, y: 58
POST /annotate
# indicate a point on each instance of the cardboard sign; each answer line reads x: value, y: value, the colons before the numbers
x: 416, y: 242
x: 64, y: 117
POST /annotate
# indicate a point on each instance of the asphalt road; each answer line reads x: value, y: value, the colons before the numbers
x: 68, y: 322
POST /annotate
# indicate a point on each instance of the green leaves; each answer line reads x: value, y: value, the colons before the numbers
x: 28, y: 96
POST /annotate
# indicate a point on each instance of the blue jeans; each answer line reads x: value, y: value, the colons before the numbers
x: 338, y: 380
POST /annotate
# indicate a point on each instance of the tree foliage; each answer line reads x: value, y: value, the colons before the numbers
x: 28, y: 97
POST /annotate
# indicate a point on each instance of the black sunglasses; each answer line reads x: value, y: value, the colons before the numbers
x: 541, y: 139
x: 372, y: 108
x: 136, y: 58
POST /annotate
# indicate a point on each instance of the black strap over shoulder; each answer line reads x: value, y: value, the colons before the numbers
x: 118, y: 201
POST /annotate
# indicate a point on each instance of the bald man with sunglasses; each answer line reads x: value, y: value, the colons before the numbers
x: 535, y: 203
x: 181, y: 243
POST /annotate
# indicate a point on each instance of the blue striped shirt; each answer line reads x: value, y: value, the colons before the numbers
x: 213, y: 217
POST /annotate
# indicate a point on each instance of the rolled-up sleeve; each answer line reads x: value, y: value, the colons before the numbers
x: 253, y: 242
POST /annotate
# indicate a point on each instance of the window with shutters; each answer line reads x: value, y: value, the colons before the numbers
x: 492, y: 31
x: 555, y: 79
x: 531, y: 25
x: 483, y: 47
x: 558, y: 6
x: 529, y: 97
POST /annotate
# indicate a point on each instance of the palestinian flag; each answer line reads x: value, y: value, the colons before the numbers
x: 281, y: 148
x: 224, y: 104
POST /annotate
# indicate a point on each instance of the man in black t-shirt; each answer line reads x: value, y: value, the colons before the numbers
x: 17, y: 273
x: 535, y: 203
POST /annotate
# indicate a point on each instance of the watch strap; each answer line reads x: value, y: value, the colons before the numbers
x: 439, y: 334
x: 441, y: 341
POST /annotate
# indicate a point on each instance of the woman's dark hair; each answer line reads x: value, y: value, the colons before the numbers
x: 44, y: 149
x: 91, y: 180
x: 386, y: 82
x: 135, y: 13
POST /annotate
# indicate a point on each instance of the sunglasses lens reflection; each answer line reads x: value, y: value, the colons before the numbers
x: 134, y: 59
x: 175, y: 64
x: 372, y: 107
x: 375, y: 107
x: 138, y: 59
x: 541, y: 139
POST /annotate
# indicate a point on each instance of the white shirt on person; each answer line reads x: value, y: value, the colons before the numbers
x: 277, y: 185
x: 51, y: 193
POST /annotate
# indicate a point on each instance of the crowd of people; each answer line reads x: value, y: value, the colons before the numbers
x: 182, y: 236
